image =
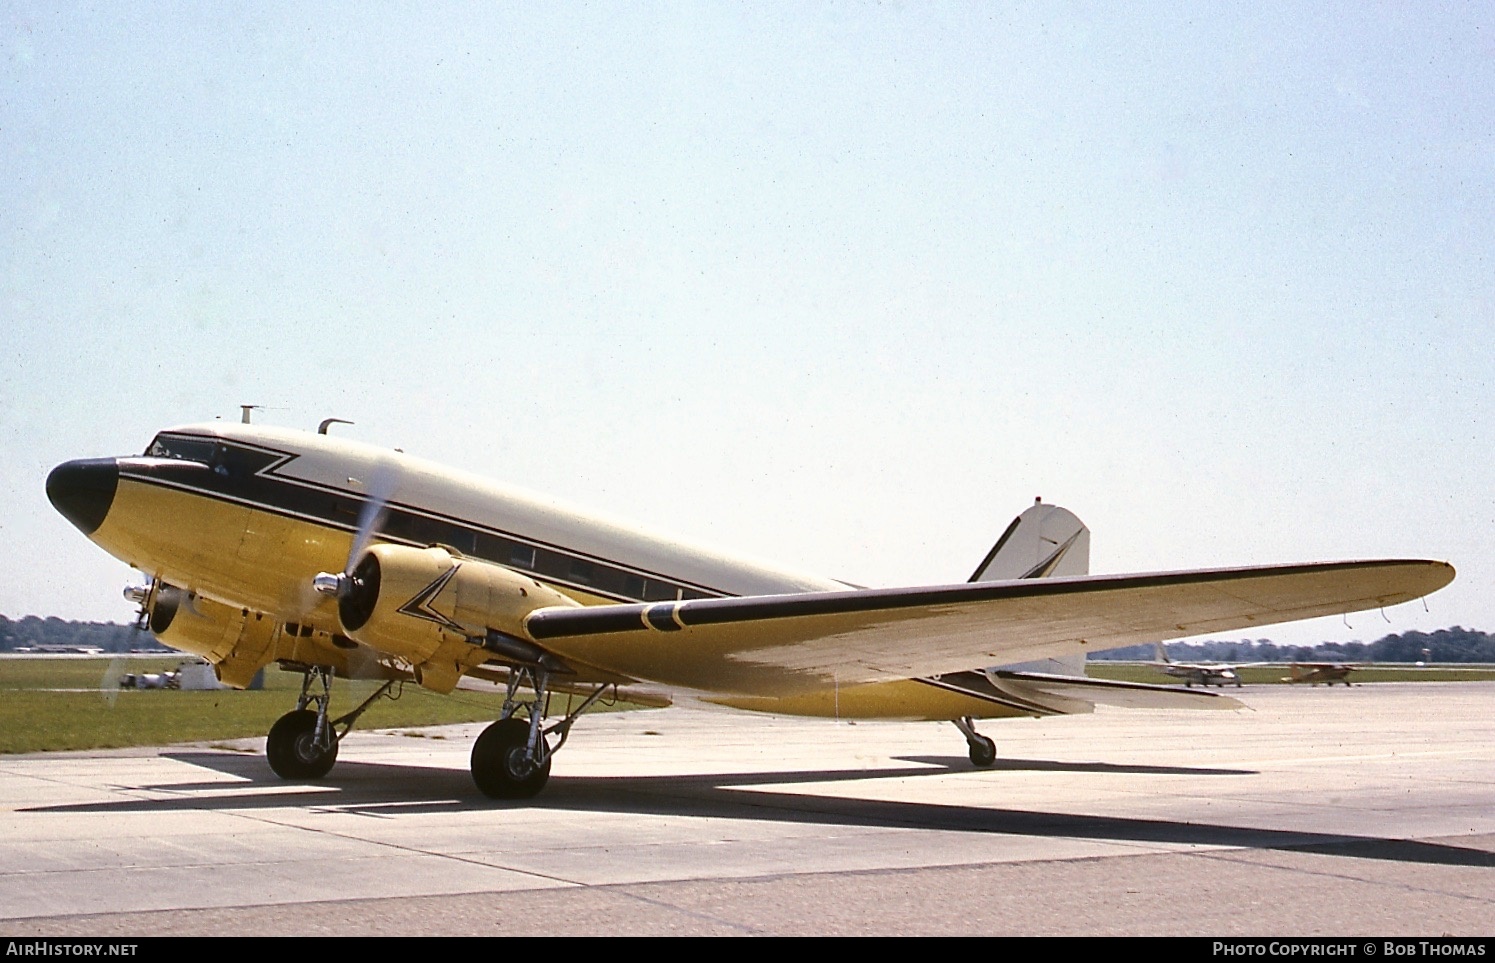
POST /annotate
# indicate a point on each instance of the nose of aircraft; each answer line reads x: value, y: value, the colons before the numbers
x: 83, y: 490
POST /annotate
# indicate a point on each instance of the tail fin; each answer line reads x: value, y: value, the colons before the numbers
x: 1043, y: 542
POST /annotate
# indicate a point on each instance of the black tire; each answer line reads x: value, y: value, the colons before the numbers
x: 291, y: 752
x: 983, y: 752
x: 500, y: 763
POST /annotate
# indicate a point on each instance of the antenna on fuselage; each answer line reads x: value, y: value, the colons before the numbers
x: 246, y: 409
x: 322, y: 428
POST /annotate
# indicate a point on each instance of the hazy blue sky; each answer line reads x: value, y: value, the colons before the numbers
x: 845, y: 286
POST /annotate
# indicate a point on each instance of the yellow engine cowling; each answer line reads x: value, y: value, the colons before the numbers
x: 415, y: 602
x: 190, y: 623
x: 239, y: 642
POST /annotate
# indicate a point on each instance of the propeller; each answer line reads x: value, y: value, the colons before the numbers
x: 379, y: 487
x: 109, y: 684
x: 378, y: 490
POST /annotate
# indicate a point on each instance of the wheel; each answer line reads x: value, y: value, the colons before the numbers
x: 290, y: 749
x: 500, y: 762
x: 983, y: 751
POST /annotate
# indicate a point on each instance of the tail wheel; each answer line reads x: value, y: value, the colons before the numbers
x: 501, y: 763
x: 983, y: 751
x: 292, y: 748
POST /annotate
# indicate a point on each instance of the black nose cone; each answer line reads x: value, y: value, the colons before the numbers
x: 83, y: 491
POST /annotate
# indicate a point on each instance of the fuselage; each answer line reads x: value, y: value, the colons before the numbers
x: 240, y: 520
x: 247, y: 515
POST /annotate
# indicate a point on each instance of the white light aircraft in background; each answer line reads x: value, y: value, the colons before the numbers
x: 1198, y: 673
x: 338, y: 559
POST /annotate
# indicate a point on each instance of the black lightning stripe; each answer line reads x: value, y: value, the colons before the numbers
x: 420, y: 605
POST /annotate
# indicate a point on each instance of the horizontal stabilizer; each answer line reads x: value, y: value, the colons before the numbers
x: 1036, y: 686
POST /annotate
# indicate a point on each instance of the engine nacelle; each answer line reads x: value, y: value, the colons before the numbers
x: 409, y: 601
x: 190, y: 623
x: 239, y: 642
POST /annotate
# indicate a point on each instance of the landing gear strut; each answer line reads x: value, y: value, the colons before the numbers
x: 511, y: 758
x: 303, y: 742
x: 983, y: 750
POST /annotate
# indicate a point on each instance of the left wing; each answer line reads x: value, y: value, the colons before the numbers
x: 785, y: 644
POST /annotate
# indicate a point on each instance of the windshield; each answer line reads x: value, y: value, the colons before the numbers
x: 182, y: 447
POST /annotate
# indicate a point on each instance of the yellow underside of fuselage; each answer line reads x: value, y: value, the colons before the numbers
x: 224, y: 551
x: 909, y: 700
x: 257, y: 563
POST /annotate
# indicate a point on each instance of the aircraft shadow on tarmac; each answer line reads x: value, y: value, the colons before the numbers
x: 390, y: 790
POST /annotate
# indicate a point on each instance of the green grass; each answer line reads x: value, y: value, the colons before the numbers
x: 1276, y: 674
x: 33, y: 719
x: 75, y: 673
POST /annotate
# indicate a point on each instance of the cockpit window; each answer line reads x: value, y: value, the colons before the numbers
x: 200, y: 450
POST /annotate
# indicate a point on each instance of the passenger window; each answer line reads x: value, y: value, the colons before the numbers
x: 658, y: 591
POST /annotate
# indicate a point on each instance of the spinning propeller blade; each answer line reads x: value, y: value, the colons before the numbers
x: 379, y: 488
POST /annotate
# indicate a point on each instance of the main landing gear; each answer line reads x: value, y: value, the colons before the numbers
x: 303, y: 742
x: 983, y: 750
x: 511, y: 758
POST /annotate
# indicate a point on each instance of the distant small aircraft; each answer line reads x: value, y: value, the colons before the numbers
x: 1199, y: 673
x: 1315, y: 672
x: 337, y: 559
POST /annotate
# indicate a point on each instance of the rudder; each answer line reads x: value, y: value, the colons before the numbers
x: 1045, y: 541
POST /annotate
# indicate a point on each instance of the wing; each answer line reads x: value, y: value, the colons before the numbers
x: 785, y: 644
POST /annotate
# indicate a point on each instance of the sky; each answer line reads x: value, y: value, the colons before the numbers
x: 845, y: 286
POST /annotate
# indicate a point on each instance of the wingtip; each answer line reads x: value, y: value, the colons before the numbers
x: 1437, y: 575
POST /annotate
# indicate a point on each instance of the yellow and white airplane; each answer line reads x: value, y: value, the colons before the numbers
x: 1315, y: 672
x: 336, y: 558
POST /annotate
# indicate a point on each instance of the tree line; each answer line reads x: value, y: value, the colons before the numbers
x: 1456, y: 644
x: 35, y: 632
